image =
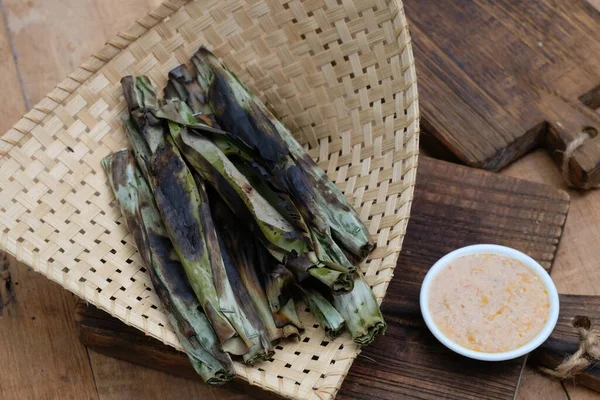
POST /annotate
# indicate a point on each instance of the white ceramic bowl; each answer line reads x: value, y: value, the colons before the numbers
x: 503, y: 251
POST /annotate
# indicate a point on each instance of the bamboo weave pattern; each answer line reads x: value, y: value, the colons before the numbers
x: 339, y: 73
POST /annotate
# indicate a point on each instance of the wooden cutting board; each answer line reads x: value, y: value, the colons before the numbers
x: 500, y: 77
x: 565, y: 339
x: 453, y: 206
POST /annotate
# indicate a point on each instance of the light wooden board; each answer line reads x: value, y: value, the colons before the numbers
x: 565, y: 340
x: 11, y: 101
x: 537, y: 386
x: 576, y: 269
x: 41, y: 354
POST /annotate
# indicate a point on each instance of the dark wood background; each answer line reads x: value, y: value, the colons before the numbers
x: 498, y: 78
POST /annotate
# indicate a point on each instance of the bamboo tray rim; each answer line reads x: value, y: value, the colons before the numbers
x: 66, y: 94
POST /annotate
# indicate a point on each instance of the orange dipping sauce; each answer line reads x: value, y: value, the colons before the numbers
x: 489, y: 303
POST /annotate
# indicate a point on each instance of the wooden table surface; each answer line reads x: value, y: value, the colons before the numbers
x: 41, y: 41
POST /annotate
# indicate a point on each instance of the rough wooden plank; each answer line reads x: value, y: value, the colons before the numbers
x: 41, y: 357
x: 575, y: 269
x: 564, y: 341
x: 497, y: 77
x: 591, y: 98
x: 595, y: 4
x: 52, y: 38
x: 11, y: 101
x: 537, y: 386
x: 454, y: 206
x: 118, y: 379
x: 578, y: 392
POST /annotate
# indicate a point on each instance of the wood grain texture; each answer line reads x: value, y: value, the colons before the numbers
x: 41, y: 358
x: 52, y: 38
x: 117, y: 380
x: 576, y: 266
x: 112, y: 343
x: 575, y: 269
x: 537, y: 386
x: 595, y: 4
x: 564, y: 341
x: 454, y: 206
x: 578, y: 392
x: 497, y: 77
x: 11, y: 101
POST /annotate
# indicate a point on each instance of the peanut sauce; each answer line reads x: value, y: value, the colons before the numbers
x: 489, y: 303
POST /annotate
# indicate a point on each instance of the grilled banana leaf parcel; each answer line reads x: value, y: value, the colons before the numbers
x: 327, y: 316
x: 179, y: 204
x: 238, y: 246
x: 281, y: 238
x: 243, y: 115
x: 184, y: 312
x: 233, y: 299
x: 361, y: 311
x: 184, y: 87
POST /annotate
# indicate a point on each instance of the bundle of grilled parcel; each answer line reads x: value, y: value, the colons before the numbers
x: 235, y: 222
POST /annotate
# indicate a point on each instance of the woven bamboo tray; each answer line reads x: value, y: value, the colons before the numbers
x: 340, y: 73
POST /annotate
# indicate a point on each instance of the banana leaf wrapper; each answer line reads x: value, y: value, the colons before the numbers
x: 191, y: 326
x: 361, y: 311
x: 245, y: 116
x: 325, y: 313
x: 234, y: 299
x: 178, y: 201
x: 277, y: 283
x: 280, y: 237
x: 239, y: 249
x: 329, y: 254
x: 287, y: 319
x: 184, y: 87
x: 210, y: 162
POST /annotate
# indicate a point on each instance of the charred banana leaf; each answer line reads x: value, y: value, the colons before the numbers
x: 243, y: 115
x: 237, y: 246
x: 185, y: 88
x: 277, y: 283
x: 191, y: 326
x: 361, y: 311
x: 287, y: 319
x: 283, y: 240
x: 233, y: 300
x: 212, y: 164
x: 277, y: 286
x: 178, y: 202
